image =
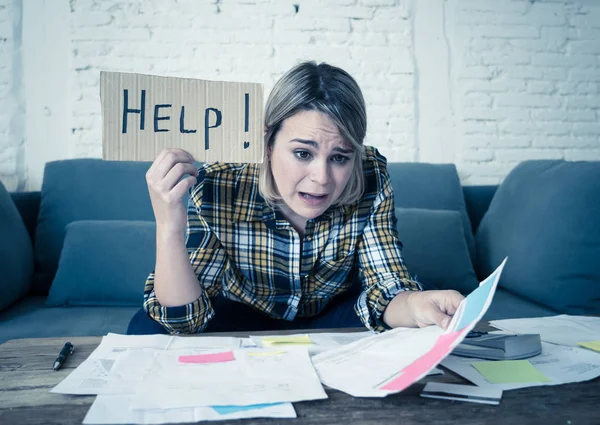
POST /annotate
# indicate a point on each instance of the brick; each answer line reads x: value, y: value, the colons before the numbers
x: 591, y: 20
x: 308, y: 24
x: 586, y: 129
x: 504, y: 7
x: 319, y: 8
x: 523, y: 72
x: 582, y: 102
x: 584, y: 75
x: 582, y: 154
x: 495, y: 86
x: 554, y: 74
x: 91, y: 19
x: 563, y: 61
x: 111, y: 34
x: 388, y: 25
x: 479, y: 127
x: 493, y: 168
x: 562, y: 115
x: 565, y: 142
x: 477, y: 72
x: 585, y: 47
x: 495, y: 58
x: 377, y: 2
x: 476, y: 155
x: 399, y: 38
x: 527, y: 100
x: 543, y: 44
x: 541, y: 87
x: 518, y: 155
x: 505, y: 31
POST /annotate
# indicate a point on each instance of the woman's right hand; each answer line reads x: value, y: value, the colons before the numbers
x: 167, y: 188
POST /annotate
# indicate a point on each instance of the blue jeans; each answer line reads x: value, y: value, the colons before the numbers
x: 231, y: 316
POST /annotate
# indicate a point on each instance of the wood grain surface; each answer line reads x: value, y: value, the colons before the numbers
x: 26, y: 377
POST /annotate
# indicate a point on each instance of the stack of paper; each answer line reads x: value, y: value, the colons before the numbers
x: 567, y: 355
x: 161, y: 379
x: 390, y: 362
x: 141, y: 379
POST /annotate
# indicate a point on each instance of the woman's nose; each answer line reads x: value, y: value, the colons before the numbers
x: 320, y: 173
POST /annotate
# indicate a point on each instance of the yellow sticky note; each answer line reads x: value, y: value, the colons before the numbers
x: 509, y: 371
x: 286, y: 339
x: 592, y: 345
x: 265, y: 353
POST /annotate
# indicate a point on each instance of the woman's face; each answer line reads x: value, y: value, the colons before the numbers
x: 311, y: 163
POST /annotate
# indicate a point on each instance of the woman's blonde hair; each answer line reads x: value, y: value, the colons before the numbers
x: 327, y: 89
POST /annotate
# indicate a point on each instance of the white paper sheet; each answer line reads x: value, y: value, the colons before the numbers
x: 252, y: 378
x: 359, y: 368
x: 91, y: 376
x: 559, y: 363
x: 319, y: 341
x: 468, y: 393
x: 389, y: 362
x: 115, y: 409
x: 562, y: 329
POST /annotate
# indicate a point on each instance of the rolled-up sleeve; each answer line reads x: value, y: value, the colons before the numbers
x: 208, y: 259
x: 380, y: 260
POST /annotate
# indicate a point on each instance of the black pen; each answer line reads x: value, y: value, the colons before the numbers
x: 62, y: 356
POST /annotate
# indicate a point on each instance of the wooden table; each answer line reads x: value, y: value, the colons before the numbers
x: 26, y: 378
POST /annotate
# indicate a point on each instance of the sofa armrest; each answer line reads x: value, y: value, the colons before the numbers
x: 28, y: 205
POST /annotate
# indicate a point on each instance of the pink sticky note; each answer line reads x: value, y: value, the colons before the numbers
x: 225, y: 356
x: 412, y: 372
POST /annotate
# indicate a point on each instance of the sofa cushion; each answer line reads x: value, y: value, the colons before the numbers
x: 435, y: 250
x: 104, y: 263
x: 30, y: 318
x: 506, y: 305
x: 545, y: 218
x: 16, y: 252
x: 86, y: 189
x: 431, y: 186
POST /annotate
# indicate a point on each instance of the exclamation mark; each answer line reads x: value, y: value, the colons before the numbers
x: 246, y: 113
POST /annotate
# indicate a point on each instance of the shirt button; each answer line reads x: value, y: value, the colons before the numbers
x: 305, y: 277
x: 308, y: 238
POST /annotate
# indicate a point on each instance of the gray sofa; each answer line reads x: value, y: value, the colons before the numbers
x: 74, y: 256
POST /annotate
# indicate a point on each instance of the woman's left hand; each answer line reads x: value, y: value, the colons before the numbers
x: 422, y: 308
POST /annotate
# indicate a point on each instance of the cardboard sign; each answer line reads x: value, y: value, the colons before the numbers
x: 212, y: 120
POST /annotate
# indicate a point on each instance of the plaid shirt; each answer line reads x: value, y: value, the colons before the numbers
x: 240, y: 246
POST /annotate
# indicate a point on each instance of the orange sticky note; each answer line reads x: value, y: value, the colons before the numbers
x: 225, y: 356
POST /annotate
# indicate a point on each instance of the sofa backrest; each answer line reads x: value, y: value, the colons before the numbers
x: 431, y: 186
x: 95, y: 189
x: 85, y: 189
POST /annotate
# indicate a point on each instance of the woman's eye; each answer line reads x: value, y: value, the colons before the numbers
x: 340, y: 159
x: 302, y: 154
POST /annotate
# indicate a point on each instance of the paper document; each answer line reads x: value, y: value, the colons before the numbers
x: 458, y: 392
x: 114, y: 409
x: 314, y: 342
x: 562, y: 329
x: 391, y: 361
x: 509, y: 371
x: 161, y: 381
x: 91, y: 376
x: 560, y: 364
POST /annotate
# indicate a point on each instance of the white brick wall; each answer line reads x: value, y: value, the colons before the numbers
x: 11, y: 113
x: 527, y: 84
x: 520, y: 79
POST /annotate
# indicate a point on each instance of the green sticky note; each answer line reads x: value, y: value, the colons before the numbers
x: 592, y: 345
x: 509, y: 372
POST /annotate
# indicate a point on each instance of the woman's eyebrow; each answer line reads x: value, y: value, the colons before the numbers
x: 316, y: 146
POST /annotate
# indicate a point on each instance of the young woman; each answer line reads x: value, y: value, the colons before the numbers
x: 306, y: 239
